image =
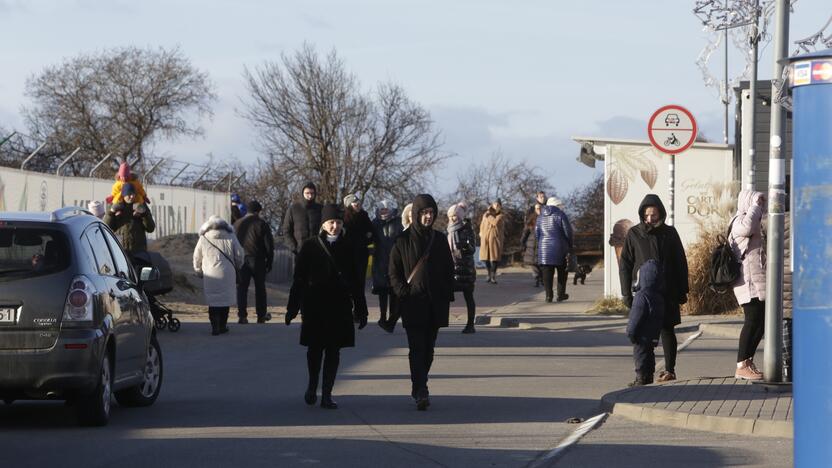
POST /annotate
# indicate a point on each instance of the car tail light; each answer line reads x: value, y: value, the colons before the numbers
x: 79, y: 307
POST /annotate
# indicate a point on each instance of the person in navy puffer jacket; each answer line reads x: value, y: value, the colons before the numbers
x: 554, y: 243
x: 646, y: 319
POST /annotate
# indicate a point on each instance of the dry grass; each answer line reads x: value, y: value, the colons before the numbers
x: 609, y: 305
x: 701, y: 299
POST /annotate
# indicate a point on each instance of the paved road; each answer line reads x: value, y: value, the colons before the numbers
x: 500, y: 398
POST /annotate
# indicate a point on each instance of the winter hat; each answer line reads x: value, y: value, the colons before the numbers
x: 96, y: 208
x: 255, y: 207
x: 235, y: 198
x: 351, y: 198
x: 127, y: 189
x: 422, y: 202
x: 458, y: 210
x: 124, y: 171
x: 407, y: 213
x: 554, y: 201
x: 309, y: 185
x: 331, y: 211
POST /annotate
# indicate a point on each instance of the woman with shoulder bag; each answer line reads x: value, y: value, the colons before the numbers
x: 217, y: 257
x: 328, y: 291
x: 746, y: 239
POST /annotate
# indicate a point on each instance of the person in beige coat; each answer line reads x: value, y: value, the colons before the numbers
x: 492, y: 234
x: 746, y: 239
x: 217, y: 257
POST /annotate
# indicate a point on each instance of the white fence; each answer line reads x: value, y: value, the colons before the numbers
x: 176, y: 210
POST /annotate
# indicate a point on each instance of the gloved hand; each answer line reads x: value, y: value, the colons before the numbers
x: 362, y: 322
x: 290, y: 315
x: 628, y: 301
x: 632, y: 339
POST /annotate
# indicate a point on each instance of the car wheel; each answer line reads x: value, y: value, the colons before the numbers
x: 146, y: 392
x: 94, y: 409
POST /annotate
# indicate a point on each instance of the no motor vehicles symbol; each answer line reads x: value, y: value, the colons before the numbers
x: 672, y: 129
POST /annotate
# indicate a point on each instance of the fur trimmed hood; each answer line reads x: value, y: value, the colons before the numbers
x: 215, y: 223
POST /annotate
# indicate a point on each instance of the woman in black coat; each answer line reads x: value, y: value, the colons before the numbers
x: 388, y: 226
x: 327, y: 291
x: 463, y: 245
x: 653, y: 239
x: 359, y: 231
x: 422, y: 274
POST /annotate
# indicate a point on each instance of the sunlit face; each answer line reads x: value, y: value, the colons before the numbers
x: 384, y: 213
x: 309, y: 194
x: 652, y: 215
x: 129, y: 198
x: 356, y: 205
x: 426, y: 216
x: 537, y: 209
x: 541, y: 198
x: 333, y: 226
x: 496, y: 206
x: 453, y: 219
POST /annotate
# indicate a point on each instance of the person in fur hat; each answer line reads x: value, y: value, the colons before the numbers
x: 328, y: 293
x: 463, y: 244
x: 359, y: 231
x: 422, y: 274
x: 388, y: 226
x: 217, y: 257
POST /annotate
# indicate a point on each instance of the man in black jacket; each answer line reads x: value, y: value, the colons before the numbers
x: 653, y: 239
x: 421, y: 274
x: 303, y: 219
x: 255, y: 235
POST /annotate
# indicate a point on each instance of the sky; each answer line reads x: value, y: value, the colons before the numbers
x: 517, y: 77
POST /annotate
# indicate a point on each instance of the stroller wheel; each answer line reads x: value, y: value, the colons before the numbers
x: 174, y: 324
x: 161, y: 323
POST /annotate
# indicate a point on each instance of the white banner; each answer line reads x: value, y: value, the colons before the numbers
x: 176, y: 210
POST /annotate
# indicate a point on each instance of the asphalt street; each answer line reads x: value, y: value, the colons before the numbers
x: 500, y: 397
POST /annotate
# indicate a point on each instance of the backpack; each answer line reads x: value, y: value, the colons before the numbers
x: 725, y: 268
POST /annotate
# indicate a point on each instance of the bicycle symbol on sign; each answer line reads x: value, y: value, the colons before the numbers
x: 672, y: 140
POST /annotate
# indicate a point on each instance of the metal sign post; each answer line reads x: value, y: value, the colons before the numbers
x: 672, y: 129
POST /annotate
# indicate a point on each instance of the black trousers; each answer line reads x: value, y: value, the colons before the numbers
x: 331, y: 357
x: 421, y: 342
x: 644, y: 358
x: 752, y: 329
x: 548, y: 274
x: 468, y: 294
x: 669, y: 345
x: 252, y: 269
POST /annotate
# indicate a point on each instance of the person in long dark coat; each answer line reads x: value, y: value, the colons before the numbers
x: 388, y: 226
x: 529, y: 242
x: 359, y: 231
x: 653, y: 239
x: 463, y: 244
x: 326, y: 290
x: 421, y: 274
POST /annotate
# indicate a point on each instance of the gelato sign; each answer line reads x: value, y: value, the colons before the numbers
x: 701, y: 198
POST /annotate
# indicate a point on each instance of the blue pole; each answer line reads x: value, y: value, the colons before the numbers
x: 811, y: 82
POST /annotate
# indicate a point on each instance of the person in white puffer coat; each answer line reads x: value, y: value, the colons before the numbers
x: 217, y: 257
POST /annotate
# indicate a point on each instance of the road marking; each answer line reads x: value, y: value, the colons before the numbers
x: 685, y: 344
x: 573, y: 438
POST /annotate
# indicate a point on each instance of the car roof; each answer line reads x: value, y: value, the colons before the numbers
x: 74, y: 218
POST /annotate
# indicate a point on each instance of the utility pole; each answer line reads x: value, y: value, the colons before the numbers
x: 748, y: 162
x: 773, y: 349
x: 725, y: 100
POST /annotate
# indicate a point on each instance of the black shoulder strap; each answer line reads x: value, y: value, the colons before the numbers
x: 220, y: 251
x: 333, y: 263
x: 422, y: 260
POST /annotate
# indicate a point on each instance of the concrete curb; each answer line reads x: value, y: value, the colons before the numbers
x: 699, y: 422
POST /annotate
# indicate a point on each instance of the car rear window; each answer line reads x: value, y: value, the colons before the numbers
x: 26, y: 252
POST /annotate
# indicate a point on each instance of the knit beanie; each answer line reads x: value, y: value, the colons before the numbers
x: 458, y: 210
x: 331, y: 211
x: 96, y: 208
x: 124, y: 171
x: 351, y: 198
x: 127, y: 189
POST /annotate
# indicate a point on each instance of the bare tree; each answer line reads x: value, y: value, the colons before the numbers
x: 316, y: 124
x: 118, y: 101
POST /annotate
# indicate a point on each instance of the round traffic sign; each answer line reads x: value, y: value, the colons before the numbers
x: 672, y: 129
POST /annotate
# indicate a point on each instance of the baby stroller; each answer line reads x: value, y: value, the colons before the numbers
x: 162, y: 315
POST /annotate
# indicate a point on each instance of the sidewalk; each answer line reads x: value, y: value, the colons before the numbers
x: 716, y: 404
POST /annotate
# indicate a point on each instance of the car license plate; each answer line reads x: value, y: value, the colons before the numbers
x: 7, y: 315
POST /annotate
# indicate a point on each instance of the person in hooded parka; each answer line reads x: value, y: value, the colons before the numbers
x: 217, y: 257
x: 327, y: 292
x: 422, y: 277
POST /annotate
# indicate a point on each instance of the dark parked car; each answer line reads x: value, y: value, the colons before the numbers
x: 74, y: 321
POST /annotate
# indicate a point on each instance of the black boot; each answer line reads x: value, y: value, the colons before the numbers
x: 311, y: 395
x: 330, y: 370
x: 215, y: 322
x: 222, y: 320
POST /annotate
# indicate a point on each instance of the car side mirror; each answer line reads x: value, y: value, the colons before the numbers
x: 149, y: 274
